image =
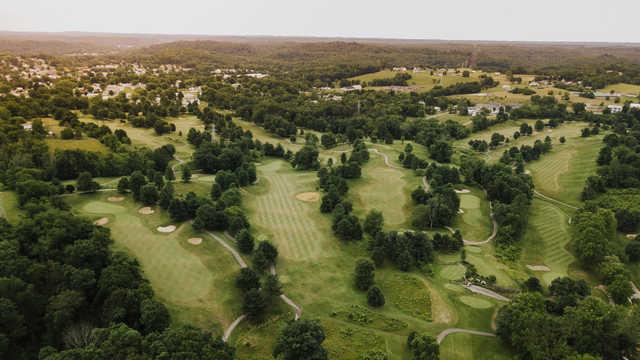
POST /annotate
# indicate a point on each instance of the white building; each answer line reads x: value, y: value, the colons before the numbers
x: 615, y: 108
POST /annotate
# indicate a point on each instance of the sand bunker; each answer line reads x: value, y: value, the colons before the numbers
x: 460, y: 211
x: 462, y: 191
x: 115, y: 198
x: 101, y: 222
x: 542, y: 268
x: 195, y: 241
x: 308, y: 196
x: 146, y: 211
x: 166, y: 229
x: 631, y: 236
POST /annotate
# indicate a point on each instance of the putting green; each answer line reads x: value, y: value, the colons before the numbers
x: 475, y: 302
x: 453, y: 272
x: 473, y: 249
x: 454, y: 288
x: 468, y: 202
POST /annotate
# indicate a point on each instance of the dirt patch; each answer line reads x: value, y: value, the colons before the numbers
x: 166, y: 229
x: 308, y: 196
x: 101, y: 222
x: 541, y: 268
x: 115, y: 198
x: 195, y: 241
x: 462, y: 191
x: 146, y: 211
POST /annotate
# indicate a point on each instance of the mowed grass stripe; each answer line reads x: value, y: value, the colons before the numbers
x: 296, y: 227
x: 551, y: 225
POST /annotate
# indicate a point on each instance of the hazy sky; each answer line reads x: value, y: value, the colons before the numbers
x: 547, y: 20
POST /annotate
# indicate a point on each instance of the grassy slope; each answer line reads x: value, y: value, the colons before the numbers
x: 561, y: 174
x: 9, y: 206
x: 87, y: 144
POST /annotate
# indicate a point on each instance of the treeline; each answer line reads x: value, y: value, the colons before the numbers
x: 399, y: 79
x: 568, y: 324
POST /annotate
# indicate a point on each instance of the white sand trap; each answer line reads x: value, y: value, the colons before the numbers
x: 631, y: 236
x: 195, y: 241
x: 462, y: 191
x: 101, y: 222
x: 527, y: 172
x: 308, y: 196
x: 541, y: 268
x: 166, y: 229
x: 115, y: 198
x: 460, y: 211
x: 146, y: 211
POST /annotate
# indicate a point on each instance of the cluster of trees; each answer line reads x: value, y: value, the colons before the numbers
x: 257, y: 294
x: 399, y: 79
x: 364, y: 278
x: 509, y: 192
x: 438, y: 207
x: 568, y: 324
x: 409, y: 160
x: 63, y: 288
x: 526, y: 153
x: 333, y: 180
x: 524, y: 91
x: 405, y: 250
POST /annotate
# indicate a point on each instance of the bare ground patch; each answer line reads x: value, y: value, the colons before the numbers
x: 115, y: 198
x: 308, y: 196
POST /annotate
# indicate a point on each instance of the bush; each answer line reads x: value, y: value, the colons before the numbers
x: 375, y: 297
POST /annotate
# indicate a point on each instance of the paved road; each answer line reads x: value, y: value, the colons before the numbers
x: 229, y: 330
x: 494, y: 232
x: 486, y: 292
x: 450, y: 331
x: 230, y: 249
x: 297, y: 309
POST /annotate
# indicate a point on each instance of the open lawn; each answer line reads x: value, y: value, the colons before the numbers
x: 87, y: 144
x: 622, y: 88
x: 384, y: 189
x: 546, y: 239
x: 467, y: 346
x: 195, y: 282
x: 9, y: 206
x: 421, y: 81
x: 561, y: 174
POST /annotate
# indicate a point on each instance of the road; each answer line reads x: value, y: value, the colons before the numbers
x: 229, y: 330
x: 386, y: 159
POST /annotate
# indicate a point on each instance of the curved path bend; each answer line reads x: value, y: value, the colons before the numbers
x: 494, y: 232
x: 486, y: 292
x: 447, y: 332
x: 236, y: 255
x: 386, y: 159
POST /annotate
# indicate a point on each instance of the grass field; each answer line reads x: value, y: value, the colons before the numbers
x: 384, y: 189
x: 9, y: 207
x: 195, y: 282
x: 474, y: 223
x: 546, y: 240
x: 561, y: 174
x: 87, y: 144
x: 466, y: 346
x: 148, y: 138
x: 623, y: 88
x: 422, y: 81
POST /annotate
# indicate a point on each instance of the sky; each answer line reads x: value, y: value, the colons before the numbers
x: 512, y: 20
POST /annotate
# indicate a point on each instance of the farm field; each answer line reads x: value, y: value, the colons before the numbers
x: 195, y: 282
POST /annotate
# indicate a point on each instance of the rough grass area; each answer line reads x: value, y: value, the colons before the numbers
x: 87, y: 144
x: 196, y: 283
x: 546, y: 239
x: 9, y: 207
x: 407, y: 293
x: 475, y: 302
x: 562, y: 173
